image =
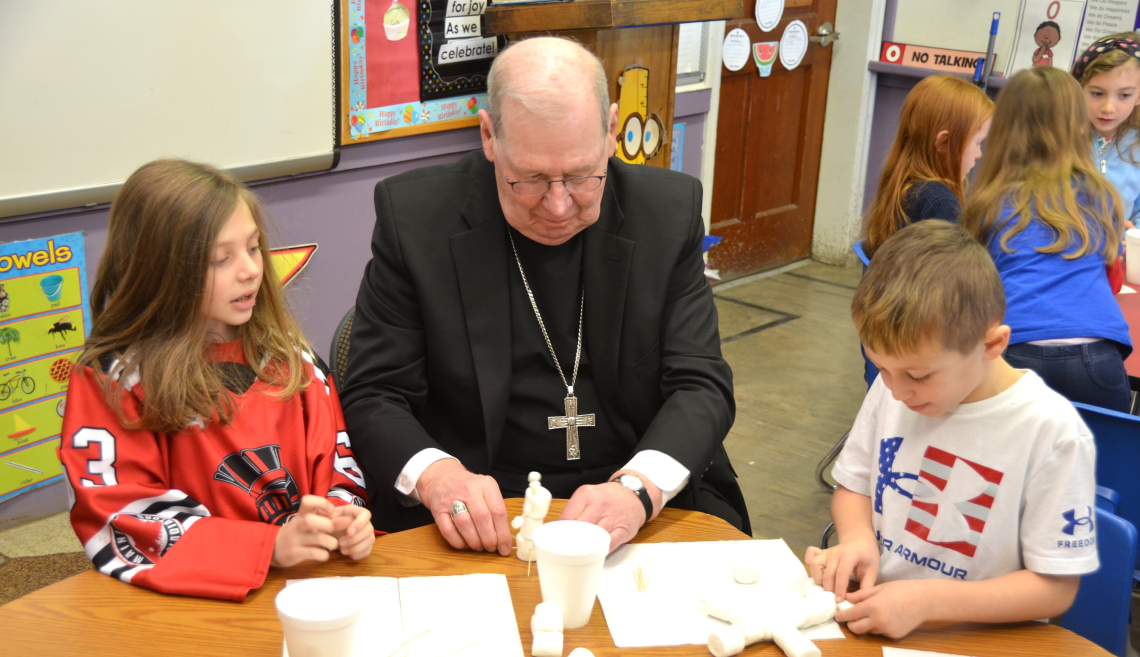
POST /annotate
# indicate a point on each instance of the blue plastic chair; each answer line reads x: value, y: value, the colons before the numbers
x: 869, y: 369
x: 1100, y: 612
x: 1117, y: 456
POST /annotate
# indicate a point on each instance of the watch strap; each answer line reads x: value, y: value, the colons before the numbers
x: 642, y: 495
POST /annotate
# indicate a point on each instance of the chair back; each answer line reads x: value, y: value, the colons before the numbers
x: 869, y: 369
x: 1117, y: 456
x: 858, y: 248
x: 1101, y: 609
x: 338, y: 352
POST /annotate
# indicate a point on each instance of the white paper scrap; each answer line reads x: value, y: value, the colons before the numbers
x: 680, y: 575
x: 435, y: 616
x: 905, y: 652
x: 1124, y: 289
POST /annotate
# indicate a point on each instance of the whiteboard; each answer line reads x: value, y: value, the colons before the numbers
x: 92, y: 89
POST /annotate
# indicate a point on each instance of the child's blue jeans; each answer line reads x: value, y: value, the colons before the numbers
x: 1090, y: 373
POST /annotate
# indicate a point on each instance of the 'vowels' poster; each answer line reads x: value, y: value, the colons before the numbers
x: 44, y: 319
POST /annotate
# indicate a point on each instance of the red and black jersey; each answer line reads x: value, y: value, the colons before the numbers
x: 197, y: 512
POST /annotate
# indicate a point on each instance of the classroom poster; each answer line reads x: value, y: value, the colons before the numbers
x: 384, y: 49
x: 1104, y: 17
x: 44, y: 321
x: 1047, y: 33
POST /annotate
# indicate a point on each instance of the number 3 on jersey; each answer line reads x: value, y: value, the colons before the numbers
x: 102, y: 468
x: 343, y: 461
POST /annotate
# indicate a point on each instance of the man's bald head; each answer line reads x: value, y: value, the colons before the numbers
x: 549, y: 77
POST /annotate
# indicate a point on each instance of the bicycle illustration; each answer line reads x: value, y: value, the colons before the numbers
x: 17, y: 380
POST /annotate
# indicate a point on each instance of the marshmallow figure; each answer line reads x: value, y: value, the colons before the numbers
x: 536, y: 504
x: 546, y: 628
x: 779, y: 624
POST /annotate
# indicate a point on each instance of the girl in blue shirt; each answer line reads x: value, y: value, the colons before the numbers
x: 1109, y: 73
x: 1051, y: 222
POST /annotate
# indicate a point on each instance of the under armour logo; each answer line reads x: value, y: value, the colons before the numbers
x: 1072, y: 521
x: 888, y: 478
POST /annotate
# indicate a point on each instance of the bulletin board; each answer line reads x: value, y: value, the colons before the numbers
x: 44, y: 321
x: 389, y: 87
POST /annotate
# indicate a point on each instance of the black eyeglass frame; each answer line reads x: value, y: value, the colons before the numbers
x: 550, y: 183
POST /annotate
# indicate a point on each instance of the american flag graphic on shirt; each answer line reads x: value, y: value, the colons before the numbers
x: 968, y: 489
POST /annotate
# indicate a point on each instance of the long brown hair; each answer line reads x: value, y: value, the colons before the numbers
x: 937, y: 103
x: 1105, y: 63
x: 1038, y: 161
x: 149, y: 293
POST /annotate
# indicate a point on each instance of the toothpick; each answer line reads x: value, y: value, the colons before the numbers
x: 528, y: 568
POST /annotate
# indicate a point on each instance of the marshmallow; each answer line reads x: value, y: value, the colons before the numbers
x: 534, y: 477
x: 581, y: 652
x: 546, y: 644
x: 793, y: 642
x: 843, y: 606
x: 528, y: 526
x: 754, y: 629
x: 525, y: 550
x: 547, y: 618
x: 746, y: 572
x: 726, y: 611
x: 517, y: 523
x: 812, y: 610
x: 726, y: 642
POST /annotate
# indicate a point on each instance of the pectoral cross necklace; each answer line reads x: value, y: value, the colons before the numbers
x: 571, y: 421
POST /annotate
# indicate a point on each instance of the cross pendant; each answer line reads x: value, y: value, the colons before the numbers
x: 570, y: 422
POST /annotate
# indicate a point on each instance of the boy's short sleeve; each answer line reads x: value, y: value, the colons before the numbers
x: 1058, y: 533
x: 853, y: 468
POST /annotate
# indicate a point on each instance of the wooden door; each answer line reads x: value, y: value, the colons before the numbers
x: 769, y: 135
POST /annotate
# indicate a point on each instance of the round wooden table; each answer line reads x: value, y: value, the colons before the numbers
x: 92, y: 614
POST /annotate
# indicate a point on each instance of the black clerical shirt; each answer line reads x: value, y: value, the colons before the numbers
x: 536, y: 390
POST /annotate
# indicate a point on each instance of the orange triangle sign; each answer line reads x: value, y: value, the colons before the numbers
x: 288, y: 261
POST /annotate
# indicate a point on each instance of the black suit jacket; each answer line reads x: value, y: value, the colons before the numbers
x: 430, y: 348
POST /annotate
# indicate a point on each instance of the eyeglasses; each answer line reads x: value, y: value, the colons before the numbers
x: 579, y: 185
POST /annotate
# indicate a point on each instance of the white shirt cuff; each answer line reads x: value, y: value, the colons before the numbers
x: 661, y: 469
x: 410, y: 475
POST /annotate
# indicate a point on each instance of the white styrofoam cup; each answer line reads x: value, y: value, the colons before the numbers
x: 320, y: 617
x: 570, y: 556
x: 1132, y: 255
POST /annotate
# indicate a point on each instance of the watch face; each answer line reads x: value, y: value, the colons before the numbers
x: 631, y: 482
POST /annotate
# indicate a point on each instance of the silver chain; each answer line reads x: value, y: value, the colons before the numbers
x: 538, y: 316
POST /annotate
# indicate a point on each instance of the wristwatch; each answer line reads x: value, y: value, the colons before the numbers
x: 634, y: 484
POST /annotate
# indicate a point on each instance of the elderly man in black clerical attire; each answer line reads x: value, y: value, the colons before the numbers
x: 539, y: 305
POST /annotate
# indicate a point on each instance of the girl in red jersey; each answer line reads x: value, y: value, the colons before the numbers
x: 203, y: 441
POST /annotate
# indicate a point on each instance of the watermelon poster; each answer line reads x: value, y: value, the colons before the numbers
x: 765, y: 55
x: 44, y: 321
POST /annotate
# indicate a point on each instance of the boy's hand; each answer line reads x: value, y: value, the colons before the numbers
x: 353, y: 530
x: 307, y: 536
x: 893, y: 609
x: 832, y: 568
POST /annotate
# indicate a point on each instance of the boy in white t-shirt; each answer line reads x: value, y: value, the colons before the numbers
x: 966, y: 487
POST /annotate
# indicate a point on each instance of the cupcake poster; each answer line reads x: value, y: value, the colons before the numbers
x: 44, y: 321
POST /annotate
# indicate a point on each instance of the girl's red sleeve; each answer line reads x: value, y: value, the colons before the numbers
x: 132, y: 524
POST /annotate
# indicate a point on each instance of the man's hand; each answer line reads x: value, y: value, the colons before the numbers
x: 832, y: 568
x: 893, y: 609
x: 613, y: 507
x: 484, y: 526
x: 307, y: 536
x: 352, y: 527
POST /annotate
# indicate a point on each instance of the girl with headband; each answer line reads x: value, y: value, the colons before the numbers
x: 1109, y: 73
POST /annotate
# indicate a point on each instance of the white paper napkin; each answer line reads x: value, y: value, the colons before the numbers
x: 669, y: 612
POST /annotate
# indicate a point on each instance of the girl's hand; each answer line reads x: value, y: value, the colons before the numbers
x: 893, y: 609
x: 307, y: 535
x: 832, y: 568
x: 353, y: 531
